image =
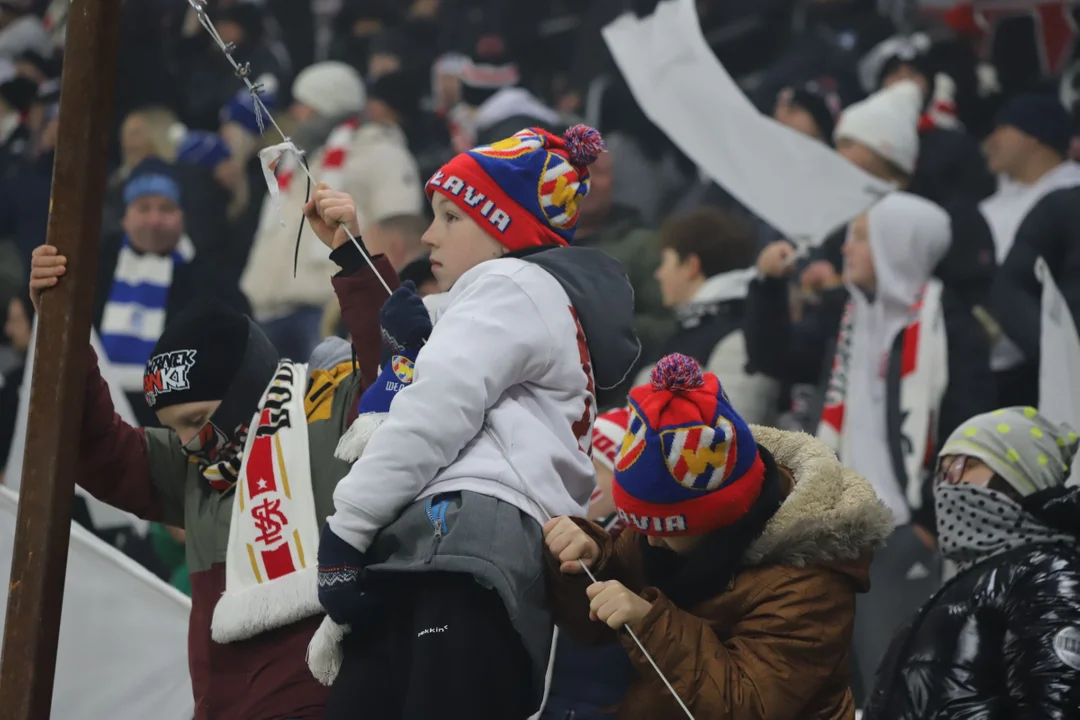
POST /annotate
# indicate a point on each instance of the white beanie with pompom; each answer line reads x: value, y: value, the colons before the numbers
x: 330, y: 88
x: 887, y: 122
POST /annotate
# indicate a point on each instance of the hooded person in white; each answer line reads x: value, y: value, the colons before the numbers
x: 890, y: 257
x: 884, y: 398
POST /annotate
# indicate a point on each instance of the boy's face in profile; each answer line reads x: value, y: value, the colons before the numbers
x: 858, y: 258
x: 456, y: 242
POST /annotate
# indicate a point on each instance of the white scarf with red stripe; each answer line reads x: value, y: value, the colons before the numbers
x: 923, y: 380
x: 270, y: 567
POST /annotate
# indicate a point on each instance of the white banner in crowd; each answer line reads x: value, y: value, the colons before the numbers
x: 1059, y: 359
x: 102, y: 515
x: 798, y: 185
x: 123, y: 633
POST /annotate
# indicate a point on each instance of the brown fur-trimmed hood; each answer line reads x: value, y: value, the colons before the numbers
x: 831, y: 515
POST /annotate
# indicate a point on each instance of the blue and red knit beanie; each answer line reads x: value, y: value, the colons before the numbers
x: 688, y: 464
x: 525, y: 191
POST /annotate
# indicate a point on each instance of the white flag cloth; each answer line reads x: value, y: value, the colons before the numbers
x: 103, y: 516
x: 1059, y: 358
x: 798, y: 185
x: 123, y: 633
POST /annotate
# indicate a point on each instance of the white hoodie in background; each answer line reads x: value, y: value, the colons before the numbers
x: 908, y: 238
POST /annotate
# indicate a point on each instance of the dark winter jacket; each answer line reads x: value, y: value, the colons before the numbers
x: 951, y: 167
x: 1000, y: 640
x: 1050, y: 230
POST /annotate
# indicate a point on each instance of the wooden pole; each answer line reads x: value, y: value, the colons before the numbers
x: 39, y: 561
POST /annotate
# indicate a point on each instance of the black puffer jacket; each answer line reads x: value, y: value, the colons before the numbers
x: 999, y: 641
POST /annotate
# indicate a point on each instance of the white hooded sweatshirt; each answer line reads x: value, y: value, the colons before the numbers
x: 908, y: 237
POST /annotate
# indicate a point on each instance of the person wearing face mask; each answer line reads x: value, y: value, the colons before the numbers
x: 245, y: 466
x: 1002, y: 638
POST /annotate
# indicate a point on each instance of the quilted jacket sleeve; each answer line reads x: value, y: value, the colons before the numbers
x: 1042, y: 642
x: 788, y: 643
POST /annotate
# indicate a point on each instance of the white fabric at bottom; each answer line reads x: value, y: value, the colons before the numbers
x: 1059, y: 359
x: 123, y: 635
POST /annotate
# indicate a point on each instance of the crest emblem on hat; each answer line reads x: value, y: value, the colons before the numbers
x: 522, y: 143
x: 560, y: 191
x: 700, y: 457
x: 633, y: 443
x: 403, y: 368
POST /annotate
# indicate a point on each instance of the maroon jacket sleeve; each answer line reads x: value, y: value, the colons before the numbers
x: 114, y: 461
x: 361, y: 295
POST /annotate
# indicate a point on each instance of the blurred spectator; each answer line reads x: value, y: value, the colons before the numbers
x: 493, y: 104
x: 827, y: 38
x: 18, y: 325
x: 24, y: 202
x: 812, y: 109
x: 703, y: 279
x: 400, y: 237
x: 1051, y: 231
x: 394, y: 100
x: 147, y: 274
x: 617, y: 230
x: 34, y: 66
x: 16, y: 96
x: 205, y: 84
x: 356, y: 28
x: 241, y: 131
x: 950, y: 165
x: 1028, y: 151
x: 209, y: 151
x: 21, y: 30
x: 145, y: 133
x: 369, y: 160
x: 880, y: 134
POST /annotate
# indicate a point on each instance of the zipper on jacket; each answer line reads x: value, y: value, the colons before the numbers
x: 435, y: 510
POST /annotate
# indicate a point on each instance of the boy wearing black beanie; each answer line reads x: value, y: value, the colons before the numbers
x: 246, y: 466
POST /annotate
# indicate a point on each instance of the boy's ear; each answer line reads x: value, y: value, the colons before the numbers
x: 693, y: 264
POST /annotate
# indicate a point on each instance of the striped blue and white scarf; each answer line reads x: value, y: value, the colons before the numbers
x: 134, y: 316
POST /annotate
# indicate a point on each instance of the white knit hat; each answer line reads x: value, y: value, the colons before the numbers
x: 886, y: 122
x: 330, y: 88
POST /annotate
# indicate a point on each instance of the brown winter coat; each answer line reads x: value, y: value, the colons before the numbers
x: 776, y: 644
